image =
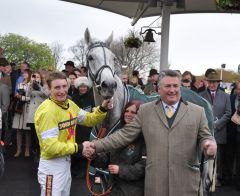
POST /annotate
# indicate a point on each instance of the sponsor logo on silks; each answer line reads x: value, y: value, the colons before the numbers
x: 71, y: 130
x: 67, y: 124
x: 49, y: 180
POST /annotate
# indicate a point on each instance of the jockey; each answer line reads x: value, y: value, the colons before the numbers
x: 55, y: 122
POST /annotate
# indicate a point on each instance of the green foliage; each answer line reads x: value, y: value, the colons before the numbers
x: 228, y: 4
x: 19, y: 49
x: 132, y: 42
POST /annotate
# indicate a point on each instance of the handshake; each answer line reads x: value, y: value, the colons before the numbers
x: 89, y: 150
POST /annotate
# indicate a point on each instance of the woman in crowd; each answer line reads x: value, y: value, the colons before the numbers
x: 127, y: 166
x: 38, y: 92
x: 20, y: 118
x: 85, y: 100
x: 187, y: 75
x: 202, y: 86
x: 77, y: 72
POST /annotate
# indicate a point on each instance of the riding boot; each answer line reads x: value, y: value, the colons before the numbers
x: 28, y: 141
x: 19, y: 143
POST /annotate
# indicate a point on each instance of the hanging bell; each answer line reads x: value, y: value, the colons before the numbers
x: 149, y: 36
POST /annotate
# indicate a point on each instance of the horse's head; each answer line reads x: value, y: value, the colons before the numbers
x: 100, y: 64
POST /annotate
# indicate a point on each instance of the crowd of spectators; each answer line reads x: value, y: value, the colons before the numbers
x: 22, y: 90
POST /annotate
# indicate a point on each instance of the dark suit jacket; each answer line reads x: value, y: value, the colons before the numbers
x: 4, y: 97
x: 232, y: 127
x: 221, y: 107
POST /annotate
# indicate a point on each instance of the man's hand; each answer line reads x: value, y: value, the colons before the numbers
x: 113, y: 169
x: 107, y: 104
x: 88, y: 150
x: 210, y: 148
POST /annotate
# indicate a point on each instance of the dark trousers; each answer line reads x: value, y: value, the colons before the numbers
x: 221, y: 148
x: 35, y: 143
x: 6, y: 131
x: 238, y: 159
x: 230, y: 156
x: 78, y: 166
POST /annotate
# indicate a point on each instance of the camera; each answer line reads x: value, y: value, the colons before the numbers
x: 35, y: 86
x: 21, y: 92
x: 33, y: 76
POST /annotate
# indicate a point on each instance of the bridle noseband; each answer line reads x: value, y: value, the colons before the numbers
x: 97, y: 77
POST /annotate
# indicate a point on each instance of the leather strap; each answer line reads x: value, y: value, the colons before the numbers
x: 88, y: 181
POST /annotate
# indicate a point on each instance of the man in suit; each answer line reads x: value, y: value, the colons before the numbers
x: 233, y: 142
x: 221, y: 107
x: 4, y: 103
x: 172, y: 140
x: 5, y: 87
x: 4, y: 78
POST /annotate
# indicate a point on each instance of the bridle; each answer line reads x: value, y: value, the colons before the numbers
x: 96, y: 78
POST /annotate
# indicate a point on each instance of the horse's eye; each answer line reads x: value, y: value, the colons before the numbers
x: 90, y: 58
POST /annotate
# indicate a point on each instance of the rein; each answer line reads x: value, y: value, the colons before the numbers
x: 96, y: 79
x: 100, y: 134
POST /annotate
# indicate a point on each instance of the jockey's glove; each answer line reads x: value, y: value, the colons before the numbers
x: 103, y: 109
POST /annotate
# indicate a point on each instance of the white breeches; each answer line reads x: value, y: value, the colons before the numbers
x: 54, y: 176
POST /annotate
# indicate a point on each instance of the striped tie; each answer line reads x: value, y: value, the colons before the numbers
x: 169, y: 111
x: 213, y: 96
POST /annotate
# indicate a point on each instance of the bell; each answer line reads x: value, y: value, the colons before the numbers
x: 149, y: 36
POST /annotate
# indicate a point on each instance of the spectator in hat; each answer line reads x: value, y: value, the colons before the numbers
x: 151, y: 86
x: 221, y: 107
x: 84, y: 99
x: 69, y: 66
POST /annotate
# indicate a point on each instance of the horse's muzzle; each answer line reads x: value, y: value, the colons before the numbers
x: 108, y: 85
x: 107, y: 90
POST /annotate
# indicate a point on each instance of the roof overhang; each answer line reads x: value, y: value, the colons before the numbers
x: 147, y: 8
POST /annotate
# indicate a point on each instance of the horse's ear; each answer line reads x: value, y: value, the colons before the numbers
x: 87, y: 37
x: 109, y: 40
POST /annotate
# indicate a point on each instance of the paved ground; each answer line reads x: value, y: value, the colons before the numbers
x: 20, y: 180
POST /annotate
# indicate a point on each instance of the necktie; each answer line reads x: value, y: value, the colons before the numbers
x: 213, y: 96
x: 169, y: 111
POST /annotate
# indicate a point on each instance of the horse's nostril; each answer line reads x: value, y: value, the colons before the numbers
x: 104, y: 85
x: 115, y: 85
